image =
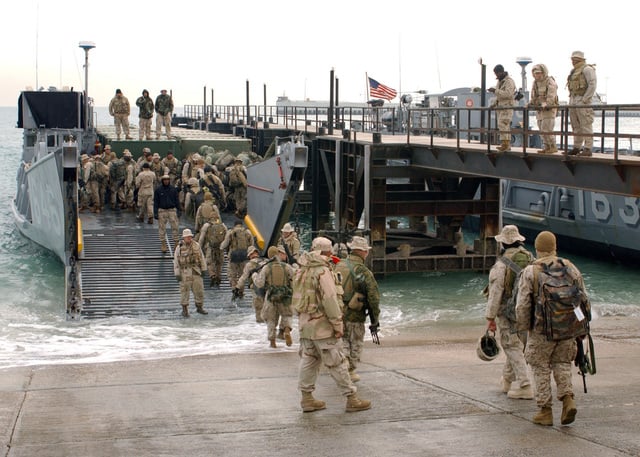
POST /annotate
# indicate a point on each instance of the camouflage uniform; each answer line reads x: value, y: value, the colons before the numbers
x: 319, y: 308
x: 102, y: 177
x: 119, y: 108
x: 164, y: 107
x: 504, y: 92
x: 158, y: 168
x: 92, y: 186
x: 248, y: 274
x: 354, y: 319
x: 145, y: 103
x: 582, y: 84
x: 117, y: 176
x: 240, y: 189
x: 145, y: 183
x: 212, y: 252
x: 544, y: 98
x: 216, y: 187
x: 514, y: 369
x: 207, y: 212
x: 129, y: 180
x: 272, y: 311
x: 188, y: 265
x: 290, y: 239
x: 172, y: 166
x: 238, y: 238
x: 545, y: 357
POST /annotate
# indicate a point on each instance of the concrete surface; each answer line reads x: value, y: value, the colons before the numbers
x: 431, y: 396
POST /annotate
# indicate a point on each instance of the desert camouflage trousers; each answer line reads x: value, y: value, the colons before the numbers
x: 163, y: 119
x: 145, y: 129
x: 274, y: 312
x: 515, y: 368
x: 353, y: 340
x: 327, y: 352
x: 234, y: 271
x: 191, y: 283
x: 214, y: 259
x: 121, y: 121
x: 258, y: 304
x: 145, y: 204
x: 170, y: 216
x: 547, y: 124
x: 582, y: 124
x: 546, y: 357
x: 504, y: 124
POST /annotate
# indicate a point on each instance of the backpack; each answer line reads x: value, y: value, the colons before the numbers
x: 278, y: 284
x: 118, y: 172
x: 215, y: 234
x: 102, y: 171
x: 238, y: 245
x: 515, y: 264
x: 562, y: 309
x: 237, y: 178
x: 352, y: 284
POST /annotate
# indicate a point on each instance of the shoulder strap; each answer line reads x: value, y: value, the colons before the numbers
x: 511, y: 264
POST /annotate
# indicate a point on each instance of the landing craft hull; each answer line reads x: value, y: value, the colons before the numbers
x: 45, y: 202
x: 589, y: 223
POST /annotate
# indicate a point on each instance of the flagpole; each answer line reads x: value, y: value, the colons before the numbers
x: 366, y: 81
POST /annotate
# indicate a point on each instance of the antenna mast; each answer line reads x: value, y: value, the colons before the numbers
x: 87, y: 46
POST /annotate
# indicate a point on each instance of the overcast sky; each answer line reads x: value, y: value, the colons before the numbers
x: 291, y: 46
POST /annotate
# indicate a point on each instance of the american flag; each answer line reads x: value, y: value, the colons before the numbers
x: 377, y: 90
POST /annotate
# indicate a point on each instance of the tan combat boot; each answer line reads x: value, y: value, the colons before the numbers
x: 544, y: 416
x: 287, y: 336
x: 355, y: 404
x: 163, y: 246
x: 521, y: 393
x: 185, y: 310
x: 569, y: 410
x: 505, y: 146
x: 355, y: 377
x: 310, y: 404
x: 272, y: 344
x: 200, y: 309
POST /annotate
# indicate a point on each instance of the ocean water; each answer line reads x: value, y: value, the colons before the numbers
x: 33, y: 328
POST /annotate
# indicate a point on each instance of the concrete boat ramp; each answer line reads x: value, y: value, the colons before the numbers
x: 431, y: 397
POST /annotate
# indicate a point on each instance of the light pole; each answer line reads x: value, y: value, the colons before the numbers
x: 87, y: 46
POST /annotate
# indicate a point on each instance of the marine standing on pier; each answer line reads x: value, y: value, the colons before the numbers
x: 361, y: 297
x: 315, y: 299
x: 188, y: 265
x: 504, y: 92
x: 145, y: 103
x: 120, y: 109
x: 551, y: 353
x: 515, y: 380
x: 164, y: 108
x: 582, y: 84
x: 166, y: 208
x: 544, y: 99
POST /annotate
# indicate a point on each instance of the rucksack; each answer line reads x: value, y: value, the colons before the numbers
x: 278, y: 284
x: 102, y: 171
x: 515, y: 264
x: 352, y: 282
x: 118, y: 171
x: 237, y: 178
x: 238, y: 246
x: 215, y: 234
x: 562, y: 309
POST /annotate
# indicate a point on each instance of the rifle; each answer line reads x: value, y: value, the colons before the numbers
x: 586, y: 364
x: 290, y: 259
x: 239, y: 293
x: 375, y: 325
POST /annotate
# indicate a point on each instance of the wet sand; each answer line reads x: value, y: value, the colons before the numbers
x: 431, y: 396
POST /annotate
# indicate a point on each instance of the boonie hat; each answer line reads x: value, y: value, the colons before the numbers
x: 321, y: 244
x: 186, y: 232
x: 251, y: 250
x: 509, y: 235
x: 272, y: 251
x: 359, y: 243
x: 165, y: 177
x: 282, y: 249
x: 84, y: 157
x: 577, y: 55
x: 287, y: 228
x: 126, y: 153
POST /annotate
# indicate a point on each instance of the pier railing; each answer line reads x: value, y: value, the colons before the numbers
x: 615, y: 129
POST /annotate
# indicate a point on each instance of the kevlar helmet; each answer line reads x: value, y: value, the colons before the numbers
x: 488, y: 348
